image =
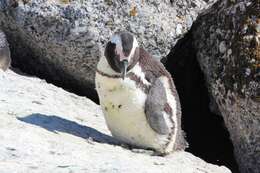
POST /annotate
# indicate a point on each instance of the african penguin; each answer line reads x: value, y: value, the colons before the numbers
x: 5, y: 59
x: 138, y: 97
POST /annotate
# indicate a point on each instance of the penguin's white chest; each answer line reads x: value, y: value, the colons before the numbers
x: 123, y: 105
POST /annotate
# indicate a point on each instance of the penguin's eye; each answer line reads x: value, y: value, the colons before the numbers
x: 112, y: 57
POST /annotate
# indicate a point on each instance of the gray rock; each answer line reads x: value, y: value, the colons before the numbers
x: 46, y: 129
x: 62, y: 40
x: 227, y: 40
x: 5, y: 57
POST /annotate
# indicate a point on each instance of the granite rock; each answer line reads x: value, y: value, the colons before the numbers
x: 227, y: 42
x: 62, y: 40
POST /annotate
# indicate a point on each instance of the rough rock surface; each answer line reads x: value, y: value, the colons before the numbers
x: 5, y: 59
x: 227, y: 39
x: 46, y: 129
x: 61, y: 39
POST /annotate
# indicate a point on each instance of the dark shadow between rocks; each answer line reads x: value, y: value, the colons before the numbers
x: 207, y: 135
x: 57, y: 124
x: 19, y: 72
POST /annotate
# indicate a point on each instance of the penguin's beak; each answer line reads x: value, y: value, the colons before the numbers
x: 124, y: 68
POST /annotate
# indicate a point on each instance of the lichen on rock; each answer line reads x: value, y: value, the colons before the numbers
x: 227, y: 43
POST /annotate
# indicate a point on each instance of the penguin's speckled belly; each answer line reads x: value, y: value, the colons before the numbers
x: 123, y: 105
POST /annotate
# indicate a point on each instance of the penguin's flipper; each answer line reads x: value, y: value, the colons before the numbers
x: 156, y: 107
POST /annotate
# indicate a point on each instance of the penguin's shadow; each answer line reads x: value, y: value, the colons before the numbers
x: 57, y: 124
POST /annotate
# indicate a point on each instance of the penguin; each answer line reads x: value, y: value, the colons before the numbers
x: 5, y: 59
x: 138, y: 97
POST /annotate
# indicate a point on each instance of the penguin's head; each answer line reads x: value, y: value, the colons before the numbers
x: 120, y: 51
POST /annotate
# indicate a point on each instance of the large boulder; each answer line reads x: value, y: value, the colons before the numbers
x: 62, y: 40
x: 46, y: 129
x: 227, y: 43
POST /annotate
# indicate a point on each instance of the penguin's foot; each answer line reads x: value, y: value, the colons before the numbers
x: 157, y: 153
x: 126, y: 146
x: 136, y: 149
x: 143, y: 151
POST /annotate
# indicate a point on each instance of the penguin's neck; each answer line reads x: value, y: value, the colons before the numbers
x: 134, y: 75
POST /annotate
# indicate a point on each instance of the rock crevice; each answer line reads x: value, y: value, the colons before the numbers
x: 206, y: 133
x: 226, y: 44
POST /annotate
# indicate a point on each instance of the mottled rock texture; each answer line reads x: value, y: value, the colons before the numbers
x: 227, y: 41
x: 46, y: 129
x: 61, y: 39
x: 5, y: 59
